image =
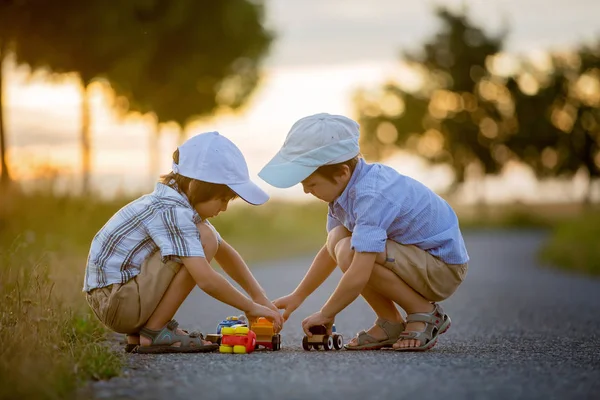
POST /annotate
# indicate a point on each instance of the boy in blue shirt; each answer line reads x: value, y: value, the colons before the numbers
x: 148, y: 257
x: 395, y: 240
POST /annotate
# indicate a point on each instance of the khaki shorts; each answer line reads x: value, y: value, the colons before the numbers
x: 125, y: 308
x: 428, y: 275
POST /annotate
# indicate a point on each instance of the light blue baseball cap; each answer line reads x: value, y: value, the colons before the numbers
x: 313, y: 141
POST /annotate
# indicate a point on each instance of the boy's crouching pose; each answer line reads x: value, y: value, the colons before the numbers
x: 134, y: 279
x: 395, y: 240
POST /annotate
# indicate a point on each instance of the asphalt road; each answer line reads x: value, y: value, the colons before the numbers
x: 519, y: 331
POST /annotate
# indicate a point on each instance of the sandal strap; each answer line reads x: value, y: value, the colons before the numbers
x: 423, y: 337
x: 168, y: 335
x: 436, y: 317
x: 172, y: 325
x: 391, y: 328
x: 433, y: 321
x: 196, y: 334
x: 363, y: 338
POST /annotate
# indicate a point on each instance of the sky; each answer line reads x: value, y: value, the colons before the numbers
x: 324, y: 50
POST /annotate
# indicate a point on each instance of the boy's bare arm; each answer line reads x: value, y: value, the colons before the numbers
x: 351, y: 285
x: 214, y: 284
x: 234, y: 266
x: 322, y: 266
x: 320, y: 269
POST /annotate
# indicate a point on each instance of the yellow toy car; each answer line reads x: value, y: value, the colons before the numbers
x: 238, y: 339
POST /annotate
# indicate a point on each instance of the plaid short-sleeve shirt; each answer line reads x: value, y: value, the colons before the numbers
x: 163, y: 220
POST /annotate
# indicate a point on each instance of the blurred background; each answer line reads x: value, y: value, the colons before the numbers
x: 493, y: 104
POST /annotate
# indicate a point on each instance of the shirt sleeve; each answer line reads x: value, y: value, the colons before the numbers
x: 176, y: 234
x: 332, y: 222
x: 374, y: 215
x: 217, y: 234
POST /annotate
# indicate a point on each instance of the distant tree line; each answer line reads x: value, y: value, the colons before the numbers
x: 177, y: 60
x: 471, y: 116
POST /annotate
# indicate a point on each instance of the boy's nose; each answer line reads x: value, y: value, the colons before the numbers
x: 306, y: 190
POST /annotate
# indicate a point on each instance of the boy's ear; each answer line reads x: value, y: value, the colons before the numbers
x: 343, y: 173
x: 346, y: 173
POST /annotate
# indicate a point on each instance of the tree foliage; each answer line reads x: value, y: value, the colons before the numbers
x: 465, y: 113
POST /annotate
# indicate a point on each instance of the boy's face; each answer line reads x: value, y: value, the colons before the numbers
x: 211, y: 208
x: 324, y: 189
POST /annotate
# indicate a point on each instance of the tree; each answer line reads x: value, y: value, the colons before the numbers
x: 11, y: 14
x: 176, y: 59
x: 205, y: 57
x: 458, y: 115
x: 559, y: 120
x: 89, y: 39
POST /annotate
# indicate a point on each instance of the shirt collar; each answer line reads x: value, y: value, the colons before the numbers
x: 172, y: 190
x: 342, y: 200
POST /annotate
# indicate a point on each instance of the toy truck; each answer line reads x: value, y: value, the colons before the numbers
x: 231, y: 321
x: 265, y: 335
x: 227, y: 322
x: 321, y: 338
x: 238, y: 339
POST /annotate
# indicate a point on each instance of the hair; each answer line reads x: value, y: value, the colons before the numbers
x: 197, y: 191
x: 330, y: 171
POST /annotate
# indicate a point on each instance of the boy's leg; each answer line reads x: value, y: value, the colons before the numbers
x: 385, y: 287
x: 338, y: 244
x: 179, y: 288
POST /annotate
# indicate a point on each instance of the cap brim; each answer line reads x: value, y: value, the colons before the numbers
x: 250, y: 193
x: 284, y: 174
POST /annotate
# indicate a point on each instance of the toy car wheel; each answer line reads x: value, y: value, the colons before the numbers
x: 305, y: 344
x: 276, y: 342
x: 338, y: 342
x: 327, y: 342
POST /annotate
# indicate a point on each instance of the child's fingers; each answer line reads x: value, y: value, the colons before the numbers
x: 279, y: 303
x: 286, y: 314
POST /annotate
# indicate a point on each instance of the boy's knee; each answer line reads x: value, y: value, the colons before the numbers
x: 209, y: 241
x: 344, y: 253
x: 333, y: 238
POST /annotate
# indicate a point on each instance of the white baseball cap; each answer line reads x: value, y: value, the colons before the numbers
x: 211, y: 157
x: 313, y: 141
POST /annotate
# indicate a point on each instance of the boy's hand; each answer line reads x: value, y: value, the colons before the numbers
x: 315, y: 320
x: 259, y: 310
x: 264, y: 301
x: 288, y: 303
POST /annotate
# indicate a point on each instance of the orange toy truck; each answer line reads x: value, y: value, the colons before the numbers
x: 265, y: 335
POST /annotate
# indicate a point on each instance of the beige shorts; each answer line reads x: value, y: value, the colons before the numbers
x: 428, y: 275
x: 125, y: 308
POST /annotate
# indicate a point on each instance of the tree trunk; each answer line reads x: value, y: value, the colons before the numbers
x: 85, y: 139
x: 154, y: 152
x: 4, y: 176
x: 587, y: 197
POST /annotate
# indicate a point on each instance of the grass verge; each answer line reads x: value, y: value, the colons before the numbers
x: 51, y: 342
x: 573, y: 245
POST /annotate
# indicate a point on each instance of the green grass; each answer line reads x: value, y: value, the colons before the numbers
x: 46, y: 330
x: 276, y: 230
x: 51, y: 342
x: 574, y: 244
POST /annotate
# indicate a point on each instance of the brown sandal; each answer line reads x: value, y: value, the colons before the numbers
x: 367, y: 342
x: 164, y: 339
x: 436, y: 323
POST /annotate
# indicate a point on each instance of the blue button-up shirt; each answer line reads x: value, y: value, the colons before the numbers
x: 380, y: 204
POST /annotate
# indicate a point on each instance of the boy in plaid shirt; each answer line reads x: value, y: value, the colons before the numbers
x: 134, y: 279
